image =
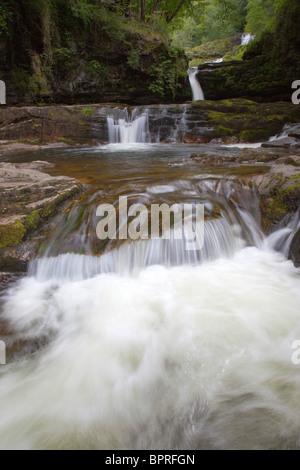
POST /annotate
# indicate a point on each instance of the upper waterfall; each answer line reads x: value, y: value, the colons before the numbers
x: 246, y: 38
x: 195, y: 85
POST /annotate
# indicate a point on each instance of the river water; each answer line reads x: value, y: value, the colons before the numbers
x: 140, y: 345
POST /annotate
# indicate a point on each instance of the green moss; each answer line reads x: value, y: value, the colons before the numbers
x: 32, y: 221
x: 247, y: 120
x: 12, y: 235
x: 213, y: 50
x: 283, y: 201
x: 275, y: 210
x: 87, y: 112
x: 222, y: 131
x: 255, y: 135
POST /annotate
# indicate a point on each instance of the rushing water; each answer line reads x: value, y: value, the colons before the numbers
x: 127, y: 129
x: 146, y: 346
x: 247, y: 38
x: 197, y: 91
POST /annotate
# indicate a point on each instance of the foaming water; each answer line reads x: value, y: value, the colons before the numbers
x: 281, y: 239
x: 243, y: 146
x: 172, y: 358
x: 221, y: 239
x: 126, y: 129
x: 119, y: 147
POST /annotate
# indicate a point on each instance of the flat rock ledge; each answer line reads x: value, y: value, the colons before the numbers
x: 28, y: 197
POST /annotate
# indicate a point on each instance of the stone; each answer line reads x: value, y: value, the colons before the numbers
x: 287, y: 142
x: 28, y: 197
x: 294, y: 253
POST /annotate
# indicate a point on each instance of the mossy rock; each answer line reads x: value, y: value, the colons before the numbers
x: 12, y: 234
x: 281, y: 198
x: 247, y: 120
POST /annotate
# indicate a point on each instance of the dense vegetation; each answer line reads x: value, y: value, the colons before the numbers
x: 270, y: 64
x: 217, y: 19
x: 89, y: 50
x: 79, y: 51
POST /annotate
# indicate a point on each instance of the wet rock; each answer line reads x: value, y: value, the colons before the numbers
x: 274, y: 172
x: 60, y: 124
x: 236, y: 120
x: 279, y: 190
x: 288, y: 142
x: 28, y: 198
x: 295, y: 133
x: 294, y: 254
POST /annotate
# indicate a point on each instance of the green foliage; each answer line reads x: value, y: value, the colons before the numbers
x: 189, y: 35
x: 222, y: 19
x: 82, y: 9
x: 165, y: 78
x: 134, y: 60
x: 5, y: 18
x: 262, y: 15
x: 87, y: 112
x: 212, y: 20
x: 95, y: 68
x: 64, y: 58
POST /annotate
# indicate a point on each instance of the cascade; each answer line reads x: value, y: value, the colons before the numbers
x: 197, y: 91
x: 246, y: 39
x: 124, y: 128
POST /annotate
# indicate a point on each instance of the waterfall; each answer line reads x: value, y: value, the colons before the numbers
x: 220, y: 240
x: 128, y: 129
x: 246, y: 39
x: 281, y: 239
x: 195, y: 85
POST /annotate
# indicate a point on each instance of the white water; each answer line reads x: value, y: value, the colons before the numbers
x: 195, y: 85
x: 173, y: 358
x: 221, y: 238
x: 287, y: 129
x: 247, y: 38
x: 128, y: 130
x: 243, y: 146
x: 281, y: 239
x: 153, y: 347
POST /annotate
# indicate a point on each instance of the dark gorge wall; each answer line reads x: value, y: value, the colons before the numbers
x: 52, y: 55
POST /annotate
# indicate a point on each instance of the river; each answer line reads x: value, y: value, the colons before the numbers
x: 140, y: 345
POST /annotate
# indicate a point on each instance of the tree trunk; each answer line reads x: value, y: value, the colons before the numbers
x: 170, y: 18
x: 155, y: 9
x: 143, y: 11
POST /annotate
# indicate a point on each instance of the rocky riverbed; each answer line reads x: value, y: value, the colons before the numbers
x: 30, y: 197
